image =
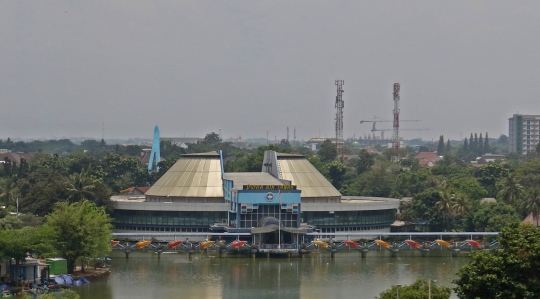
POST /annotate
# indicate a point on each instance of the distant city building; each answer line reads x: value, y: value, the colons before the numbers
x: 492, y: 157
x: 523, y: 133
x: 315, y: 143
x: 182, y: 140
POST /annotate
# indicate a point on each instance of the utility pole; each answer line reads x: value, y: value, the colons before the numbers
x: 395, y: 140
x: 339, y: 117
x: 294, y: 134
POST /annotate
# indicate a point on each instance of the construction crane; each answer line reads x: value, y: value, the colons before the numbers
x: 375, y: 121
x: 383, y: 130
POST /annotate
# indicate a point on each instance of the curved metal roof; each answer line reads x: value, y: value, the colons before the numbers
x: 193, y: 175
x: 305, y: 176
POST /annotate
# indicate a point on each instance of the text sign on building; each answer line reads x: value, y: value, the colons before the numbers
x: 269, y: 187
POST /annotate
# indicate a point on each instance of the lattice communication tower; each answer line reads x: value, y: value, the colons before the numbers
x: 395, y: 138
x: 339, y: 117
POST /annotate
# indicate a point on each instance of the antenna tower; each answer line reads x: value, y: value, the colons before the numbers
x: 395, y: 140
x: 287, y: 133
x: 294, y: 134
x: 339, y: 117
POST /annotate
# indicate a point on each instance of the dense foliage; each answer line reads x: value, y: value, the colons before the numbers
x: 420, y: 289
x: 508, y: 272
x: 82, y: 230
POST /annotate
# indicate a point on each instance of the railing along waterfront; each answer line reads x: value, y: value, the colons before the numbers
x: 316, y: 234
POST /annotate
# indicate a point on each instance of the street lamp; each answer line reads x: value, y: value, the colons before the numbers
x: 397, y: 290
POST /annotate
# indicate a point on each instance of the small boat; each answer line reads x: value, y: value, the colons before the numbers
x: 174, y: 244
x: 351, y: 244
x: 443, y: 243
x: 382, y: 243
x: 474, y: 243
x: 238, y: 244
x: 142, y: 244
x: 114, y: 243
x: 320, y: 244
x: 413, y: 244
x: 206, y: 244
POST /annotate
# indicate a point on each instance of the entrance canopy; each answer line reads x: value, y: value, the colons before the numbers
x: 271, y: 224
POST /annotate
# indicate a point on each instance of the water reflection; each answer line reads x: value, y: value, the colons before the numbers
x: 174, y: 275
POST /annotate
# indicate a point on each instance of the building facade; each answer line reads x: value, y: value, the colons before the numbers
x: 196, y: 195
x: 523, y: 133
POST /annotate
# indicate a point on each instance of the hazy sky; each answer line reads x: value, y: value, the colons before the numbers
x: 247, y: 67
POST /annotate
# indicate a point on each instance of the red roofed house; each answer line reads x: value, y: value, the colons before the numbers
x: 427, y: 158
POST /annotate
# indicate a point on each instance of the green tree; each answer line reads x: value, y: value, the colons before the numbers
x: 468, y: 186
x: 84, y: 231
x: 528, y: 173
x: 461, y: 204
x: 364, y: 162
x: 423, y: 208
x: 448, y: 147
x: 80, y: 187
x: 480, y: 149
x: 489, y: 174
x: 492, y: 217
x: 64, y: 294
x: 487, y: 149
x: 440, y: 147
x: 509, y: 272
x: 377, y: 182
x: 41, y: 190
x: 327, y: 152
x: 336, y: 171
x: 17, y: 243
x: 8, y: 192
x: 420, y: 289
x: 510, y: 191
x: 532, y: 204
x: 285, y: 144
x: 445, y: 204
x: 212, y: 138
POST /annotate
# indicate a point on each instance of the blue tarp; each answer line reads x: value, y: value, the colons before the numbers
x: 81, y: 280
x: 59, y: 279
x: 4, y: 287
x: 67, y: 279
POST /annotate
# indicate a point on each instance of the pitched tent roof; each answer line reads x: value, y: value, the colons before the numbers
x: 298, y: 170
x: 193, y: 175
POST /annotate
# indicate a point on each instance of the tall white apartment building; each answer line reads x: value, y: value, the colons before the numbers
x: 523, y: 133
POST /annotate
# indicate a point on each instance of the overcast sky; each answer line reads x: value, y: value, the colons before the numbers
x: 248, y: 67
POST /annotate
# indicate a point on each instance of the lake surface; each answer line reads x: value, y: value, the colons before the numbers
x: 317, y: 275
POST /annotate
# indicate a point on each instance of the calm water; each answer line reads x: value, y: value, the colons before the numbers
x: 143, y: 275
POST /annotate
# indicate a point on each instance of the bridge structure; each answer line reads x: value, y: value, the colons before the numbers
x: 361, y: 241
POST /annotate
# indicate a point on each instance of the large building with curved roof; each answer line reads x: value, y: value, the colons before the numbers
x: 196, y: 195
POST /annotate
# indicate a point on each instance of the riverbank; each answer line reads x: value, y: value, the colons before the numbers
x: 91, y: 274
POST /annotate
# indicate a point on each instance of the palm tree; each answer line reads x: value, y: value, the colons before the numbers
x: 510, y: 191
x: 80, y: 186
x: 532, y: 204
x: 8, y: 191
x: 444, y: 205
x: 461, y: 204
